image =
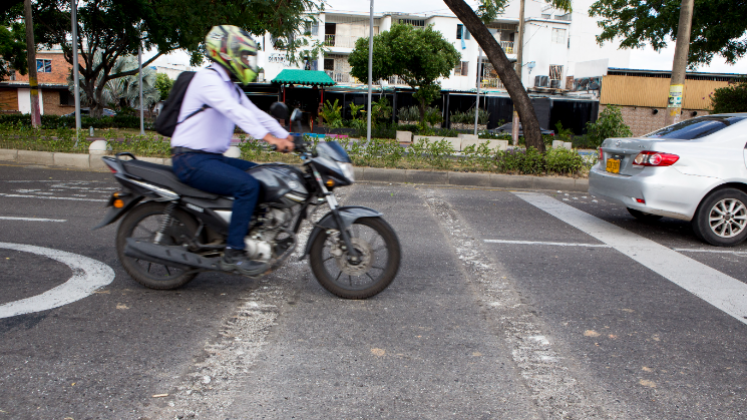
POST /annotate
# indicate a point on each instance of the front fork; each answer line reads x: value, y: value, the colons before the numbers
x: 333, y: 205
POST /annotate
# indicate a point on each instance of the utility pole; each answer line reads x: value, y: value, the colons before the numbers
x: 76, y: 84
x: 679, y: 65
x: 479, y: 80
x: 370, y: 72
x: 31, y: 48
x: 140, y: 86
x: 519, y: 70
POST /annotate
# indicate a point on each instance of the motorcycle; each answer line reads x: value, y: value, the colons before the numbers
x: 170, y: 232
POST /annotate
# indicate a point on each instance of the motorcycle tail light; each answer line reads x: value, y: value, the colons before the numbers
x: 649, y: 158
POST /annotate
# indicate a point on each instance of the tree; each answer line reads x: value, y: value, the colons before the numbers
x: 12, y: 49
x: 475, y: 24
x: 418, y: 56
x: 164, y: 84
x: 116, y: 28
x: 124, y: 91
x: 718, y: 26
x: 729, y: 99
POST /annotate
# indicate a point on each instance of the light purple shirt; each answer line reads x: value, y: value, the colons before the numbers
x: 212, y: 129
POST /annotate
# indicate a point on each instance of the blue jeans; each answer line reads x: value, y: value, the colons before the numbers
x: 222, y: 175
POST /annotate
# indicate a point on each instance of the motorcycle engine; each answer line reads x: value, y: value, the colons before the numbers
x: 260, y: 241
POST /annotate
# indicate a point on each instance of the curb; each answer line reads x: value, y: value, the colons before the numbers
x: 92, y: 162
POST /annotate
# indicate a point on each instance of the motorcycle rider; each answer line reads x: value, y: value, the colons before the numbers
x: 212, y: 106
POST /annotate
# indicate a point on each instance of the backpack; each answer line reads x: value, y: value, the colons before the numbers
x: 168, y: 118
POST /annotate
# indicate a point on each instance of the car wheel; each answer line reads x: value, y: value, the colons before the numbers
x: 721, y: 219
x: 643, y: 217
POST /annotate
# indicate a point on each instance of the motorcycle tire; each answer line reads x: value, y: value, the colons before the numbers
x: 372, y: 267
x: 144, y: 272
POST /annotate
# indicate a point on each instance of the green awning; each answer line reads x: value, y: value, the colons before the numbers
x: 303, y: 77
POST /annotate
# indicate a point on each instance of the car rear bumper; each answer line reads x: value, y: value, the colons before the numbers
x: 666, y: 191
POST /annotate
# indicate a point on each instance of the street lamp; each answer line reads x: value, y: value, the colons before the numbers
x: 370, y: 66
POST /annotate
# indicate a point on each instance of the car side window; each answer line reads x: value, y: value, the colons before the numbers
x: 694, y: 128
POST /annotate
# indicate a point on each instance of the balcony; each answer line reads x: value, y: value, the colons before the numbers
x: 508, y: 46
x: 491, y: 82
x: 339, y: 77
x: 340, y: 41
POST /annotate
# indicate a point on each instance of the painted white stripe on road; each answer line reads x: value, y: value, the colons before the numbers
x: 710, y: 251
x: 724, y: 292
x: 506, y: 241
x: 32, y: 219
x: 53, y: 198
x: 88, y: 276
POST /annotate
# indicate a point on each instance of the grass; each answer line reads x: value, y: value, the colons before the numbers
x: 379, y: 153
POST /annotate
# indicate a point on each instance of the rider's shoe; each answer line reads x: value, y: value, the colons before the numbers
x: 236, y: 260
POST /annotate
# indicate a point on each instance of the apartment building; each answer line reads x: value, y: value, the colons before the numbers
x: 554, y: 42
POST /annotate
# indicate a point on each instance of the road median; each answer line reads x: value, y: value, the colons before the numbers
x: 92, y: 162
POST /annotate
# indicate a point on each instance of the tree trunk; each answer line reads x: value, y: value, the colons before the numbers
x: 421, y: 107
x: 508, y: 76
x: 31, y: 49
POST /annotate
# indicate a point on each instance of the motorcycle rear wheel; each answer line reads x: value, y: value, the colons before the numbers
x: 142, y: 223
x: 378, y: 246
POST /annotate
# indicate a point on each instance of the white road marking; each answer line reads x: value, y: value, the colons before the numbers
x: 88, y: 276
x: 710, y: 251
x: 506, y: 241
x: 32, y: 219
x: 49, y: 197
x: 724, y: 292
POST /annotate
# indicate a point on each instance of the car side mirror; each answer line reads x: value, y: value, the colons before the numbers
x: 279, y: 110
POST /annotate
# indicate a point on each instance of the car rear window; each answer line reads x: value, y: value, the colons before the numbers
x: 695, y: 128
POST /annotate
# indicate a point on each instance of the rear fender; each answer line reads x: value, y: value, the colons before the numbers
x: 348, y: 214
x: 114, y: 214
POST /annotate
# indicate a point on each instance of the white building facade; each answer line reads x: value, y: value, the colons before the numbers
x: 554, y: 42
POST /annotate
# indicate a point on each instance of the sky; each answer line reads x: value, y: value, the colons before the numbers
x: 647, y: 58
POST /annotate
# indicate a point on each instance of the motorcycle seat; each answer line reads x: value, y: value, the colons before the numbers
x: 163, y: 176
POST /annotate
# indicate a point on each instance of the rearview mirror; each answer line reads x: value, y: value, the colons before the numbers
x: 279, y: 110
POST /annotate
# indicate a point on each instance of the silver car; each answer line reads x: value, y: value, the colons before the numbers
x: 695, y: 170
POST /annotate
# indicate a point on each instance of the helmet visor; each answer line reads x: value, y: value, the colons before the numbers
x: 249, y: 60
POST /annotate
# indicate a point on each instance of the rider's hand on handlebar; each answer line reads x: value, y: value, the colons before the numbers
x: 281, y: 145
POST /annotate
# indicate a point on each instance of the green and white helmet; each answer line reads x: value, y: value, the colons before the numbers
x: 234, y: 49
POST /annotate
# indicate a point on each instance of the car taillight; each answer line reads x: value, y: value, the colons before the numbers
x: 648, y: 158
x: 601, y: 154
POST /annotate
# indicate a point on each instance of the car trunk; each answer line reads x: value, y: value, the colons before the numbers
x: 624, y: 151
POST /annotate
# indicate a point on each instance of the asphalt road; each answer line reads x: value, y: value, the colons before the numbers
x: 504, y: 308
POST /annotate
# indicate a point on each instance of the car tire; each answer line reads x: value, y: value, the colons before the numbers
x: 642, y: 216
x: 721, y: 219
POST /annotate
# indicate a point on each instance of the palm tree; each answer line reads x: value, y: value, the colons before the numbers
x: 123, y: 91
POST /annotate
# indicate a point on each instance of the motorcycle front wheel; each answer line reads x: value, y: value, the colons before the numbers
x: 142, y: 224
x: 379, y: 251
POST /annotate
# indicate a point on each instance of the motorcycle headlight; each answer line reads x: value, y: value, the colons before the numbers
x: 347, y: 171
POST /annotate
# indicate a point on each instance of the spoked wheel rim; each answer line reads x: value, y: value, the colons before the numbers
x: 728, y: 218
x: 374, y: 258
x: 147, y: 230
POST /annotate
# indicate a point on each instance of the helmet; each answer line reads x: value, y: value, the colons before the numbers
x: 234, y: 49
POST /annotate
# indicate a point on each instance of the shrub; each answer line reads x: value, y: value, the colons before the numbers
x: 563, y: 161
x: 331, y: 114
x: 610, y: 124
x: 728, y: 99
x: 409, y: 113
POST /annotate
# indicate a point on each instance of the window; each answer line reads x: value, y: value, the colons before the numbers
x: 413, y: 22
x: 329, y: 64
x: 558, y: 36
x: 556, y: 72
x: 43, y: 66
x: 66, y: 98
x: 311, y: 28
x: 695, y: 128
x: 461, y: 30
x: 462, y: 69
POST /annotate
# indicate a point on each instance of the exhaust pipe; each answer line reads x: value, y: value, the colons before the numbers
x: 174, y: 256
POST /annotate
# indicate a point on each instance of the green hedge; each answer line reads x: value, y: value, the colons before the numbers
x: 56, y: 121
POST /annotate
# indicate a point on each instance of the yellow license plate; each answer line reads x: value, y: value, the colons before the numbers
x: 613, y: 165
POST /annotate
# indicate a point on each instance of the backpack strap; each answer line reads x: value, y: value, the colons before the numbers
x: 206, y: 106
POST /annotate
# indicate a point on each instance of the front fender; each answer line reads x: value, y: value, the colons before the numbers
x: 348, y: 214
x: 114, y: 213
